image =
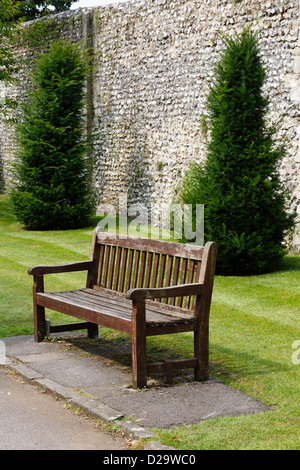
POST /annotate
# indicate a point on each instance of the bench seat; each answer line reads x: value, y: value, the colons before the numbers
x: 112, y: 310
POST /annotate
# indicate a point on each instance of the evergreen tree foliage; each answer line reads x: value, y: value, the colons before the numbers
x: 52, y: 190
x: 246, y: 204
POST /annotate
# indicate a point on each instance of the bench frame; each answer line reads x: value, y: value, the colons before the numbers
x: 199, y: 293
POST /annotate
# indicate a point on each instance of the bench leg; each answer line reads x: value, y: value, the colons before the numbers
x: 201, y: 340
x: 39, y: 323
x: 38, y: 311
x: 201, y: 353
x: 139, y: 355
x: 201, y: 346
x: 92, y: 330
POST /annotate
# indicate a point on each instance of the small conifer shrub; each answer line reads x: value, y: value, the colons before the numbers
x: 245, y: 202
x: 52, y: 187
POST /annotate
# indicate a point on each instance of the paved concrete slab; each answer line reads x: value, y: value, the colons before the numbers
x: 90, y: 376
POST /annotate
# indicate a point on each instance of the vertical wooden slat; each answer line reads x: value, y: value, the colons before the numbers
x: 101, y: 263
x: 155, y: 269
x: 168, y: 274
x: 176, y: 271
x: 161, y: 273
x: 142, y: 269
x: 135, y: 269
x: 117, y: 269
x: 190, y: 271
x: 190, y: 274
x: 169, y: 271
x: 123, y: 269
x: 148, y: 269
x: 129, y: 270
x: 182, y: 278
x: 192, y: 299
x: 198, y: 271
x: 106, y: 264
x: 175, y: 276
x: 183, y: 271
x: 111, y: 267
x: 196, y: 279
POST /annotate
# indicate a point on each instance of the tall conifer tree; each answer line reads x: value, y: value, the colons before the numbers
x: 246, y: 203
x: 52, y: 190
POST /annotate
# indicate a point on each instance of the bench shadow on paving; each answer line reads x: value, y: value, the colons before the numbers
x: 101, y: 369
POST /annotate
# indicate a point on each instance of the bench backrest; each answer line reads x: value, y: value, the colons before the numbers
x: 123, y: 263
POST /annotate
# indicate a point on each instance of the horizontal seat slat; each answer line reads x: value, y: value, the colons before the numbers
x: 155, y: 312
x: 151, y: 305
x: 88, y: 312
x: 81, y: 300
x: 84, y: 300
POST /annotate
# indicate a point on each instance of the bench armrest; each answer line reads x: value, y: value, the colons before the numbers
x: 172, y: 291
x: 61, y: 268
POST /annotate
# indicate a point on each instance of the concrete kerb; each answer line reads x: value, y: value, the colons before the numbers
x: 91, y: 407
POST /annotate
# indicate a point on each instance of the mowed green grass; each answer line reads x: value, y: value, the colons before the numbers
x: 254, y: 325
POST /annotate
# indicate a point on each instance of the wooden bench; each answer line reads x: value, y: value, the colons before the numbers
x: 139, y: 286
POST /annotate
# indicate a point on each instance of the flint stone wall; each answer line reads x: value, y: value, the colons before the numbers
x: 153, y: 65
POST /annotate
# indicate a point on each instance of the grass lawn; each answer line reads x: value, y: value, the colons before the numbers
x: 254, y: 323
